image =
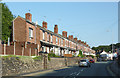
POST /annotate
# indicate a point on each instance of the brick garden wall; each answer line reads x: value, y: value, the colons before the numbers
x: 29, y: 50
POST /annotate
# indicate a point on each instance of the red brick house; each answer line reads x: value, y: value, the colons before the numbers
x: 33, y: 38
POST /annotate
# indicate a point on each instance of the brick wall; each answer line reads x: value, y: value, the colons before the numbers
x: 32, y: 40
x: 30, y: 49
x: 19, y: 28
x: 10, y: 50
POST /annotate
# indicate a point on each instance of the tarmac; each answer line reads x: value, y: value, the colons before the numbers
x: 114, y: 69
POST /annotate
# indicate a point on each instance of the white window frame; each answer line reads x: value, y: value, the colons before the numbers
x: 43, y: 35
x: 69, y: 43
x: 59, y: 41
x: 56, y: 40
x: 30, y: 32
x: 72, y: 44
x: 51, y: 38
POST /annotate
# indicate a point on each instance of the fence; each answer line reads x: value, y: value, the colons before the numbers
x: 19, y: 48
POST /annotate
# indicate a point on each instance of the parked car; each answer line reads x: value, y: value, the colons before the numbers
x: 92, y: 61
x: 84, y: 62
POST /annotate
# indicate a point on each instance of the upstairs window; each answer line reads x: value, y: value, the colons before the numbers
x: 43, y: 35
x: 65, y: 42
x: 30, y: 32
x: 56, y: 40
x: 51, y: 38
x: 59, y: 41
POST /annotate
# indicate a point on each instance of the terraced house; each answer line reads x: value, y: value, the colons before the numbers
x: 29, y: 39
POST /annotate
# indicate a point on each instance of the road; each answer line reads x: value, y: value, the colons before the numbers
x: 96, y: 69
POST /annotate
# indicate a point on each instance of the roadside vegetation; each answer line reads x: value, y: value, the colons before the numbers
x: 106, y: 48
x: 80, y: 54
x: 37, y: 58
x: 7, y: 16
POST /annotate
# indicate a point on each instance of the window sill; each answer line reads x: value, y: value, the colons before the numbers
x: 31, y: 37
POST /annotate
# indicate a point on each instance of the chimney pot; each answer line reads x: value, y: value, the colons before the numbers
x: 44, y: 24
x: 75, y: 39
x: 71, y: 37
x: 28, y: 16
x: 64, y: 33
x: 56, y: 29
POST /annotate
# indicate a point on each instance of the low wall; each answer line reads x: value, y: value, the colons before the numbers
x: 55, y: 63
x: 14, y: 65
x: 19, y: 48
x: 18, y: 65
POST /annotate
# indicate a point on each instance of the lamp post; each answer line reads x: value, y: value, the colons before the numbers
x: 112, y: 42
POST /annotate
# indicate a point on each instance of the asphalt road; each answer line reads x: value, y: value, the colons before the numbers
x: 96, y: 69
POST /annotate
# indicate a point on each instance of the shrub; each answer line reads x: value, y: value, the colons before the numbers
x: 52, y: 55
x: 48, y: 57
x: 37, y: 58
x: 80, y: 53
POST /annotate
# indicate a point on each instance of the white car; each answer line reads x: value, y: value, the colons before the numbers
x: 84, y: 62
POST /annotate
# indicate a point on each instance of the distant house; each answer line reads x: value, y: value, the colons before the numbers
x: 104, y: 55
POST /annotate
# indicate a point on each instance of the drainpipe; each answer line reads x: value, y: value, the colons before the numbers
x: 35, y: 31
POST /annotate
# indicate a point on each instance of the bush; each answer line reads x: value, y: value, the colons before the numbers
x: 82, y: 56
x: 48, y: 57
x: 52, y: 55
x: 80, y: 53
x: 37, y: 58
x: 91, y: 56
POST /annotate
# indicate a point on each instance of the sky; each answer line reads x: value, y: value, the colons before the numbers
x: 93, y: 22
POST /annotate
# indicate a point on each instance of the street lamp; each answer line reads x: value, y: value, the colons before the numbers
x: 112, y: 40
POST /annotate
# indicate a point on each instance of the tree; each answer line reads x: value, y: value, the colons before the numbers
x: 7, y: 18
x: 80, y: 53
x: 106, y: 48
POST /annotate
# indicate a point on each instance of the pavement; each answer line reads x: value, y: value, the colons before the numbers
x: 42, y: 71
x: 115, y: 68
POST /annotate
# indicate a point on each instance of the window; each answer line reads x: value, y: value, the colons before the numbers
x: 43, y: 35
x: 69, y: 43
x: 51, y: 38
x: 30, y: 32
x: 59, y: 41
x: 65, y: 42
x: 72, y: 44
x: 56, y: 40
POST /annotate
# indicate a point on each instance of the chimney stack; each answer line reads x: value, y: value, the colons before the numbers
x: 28, y: 16
x: 75, y: 39
x: 56, y: 29
x: 44, y: 24
x: 64, y: 33
x: 79, y: 41
x: 71, y: 37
